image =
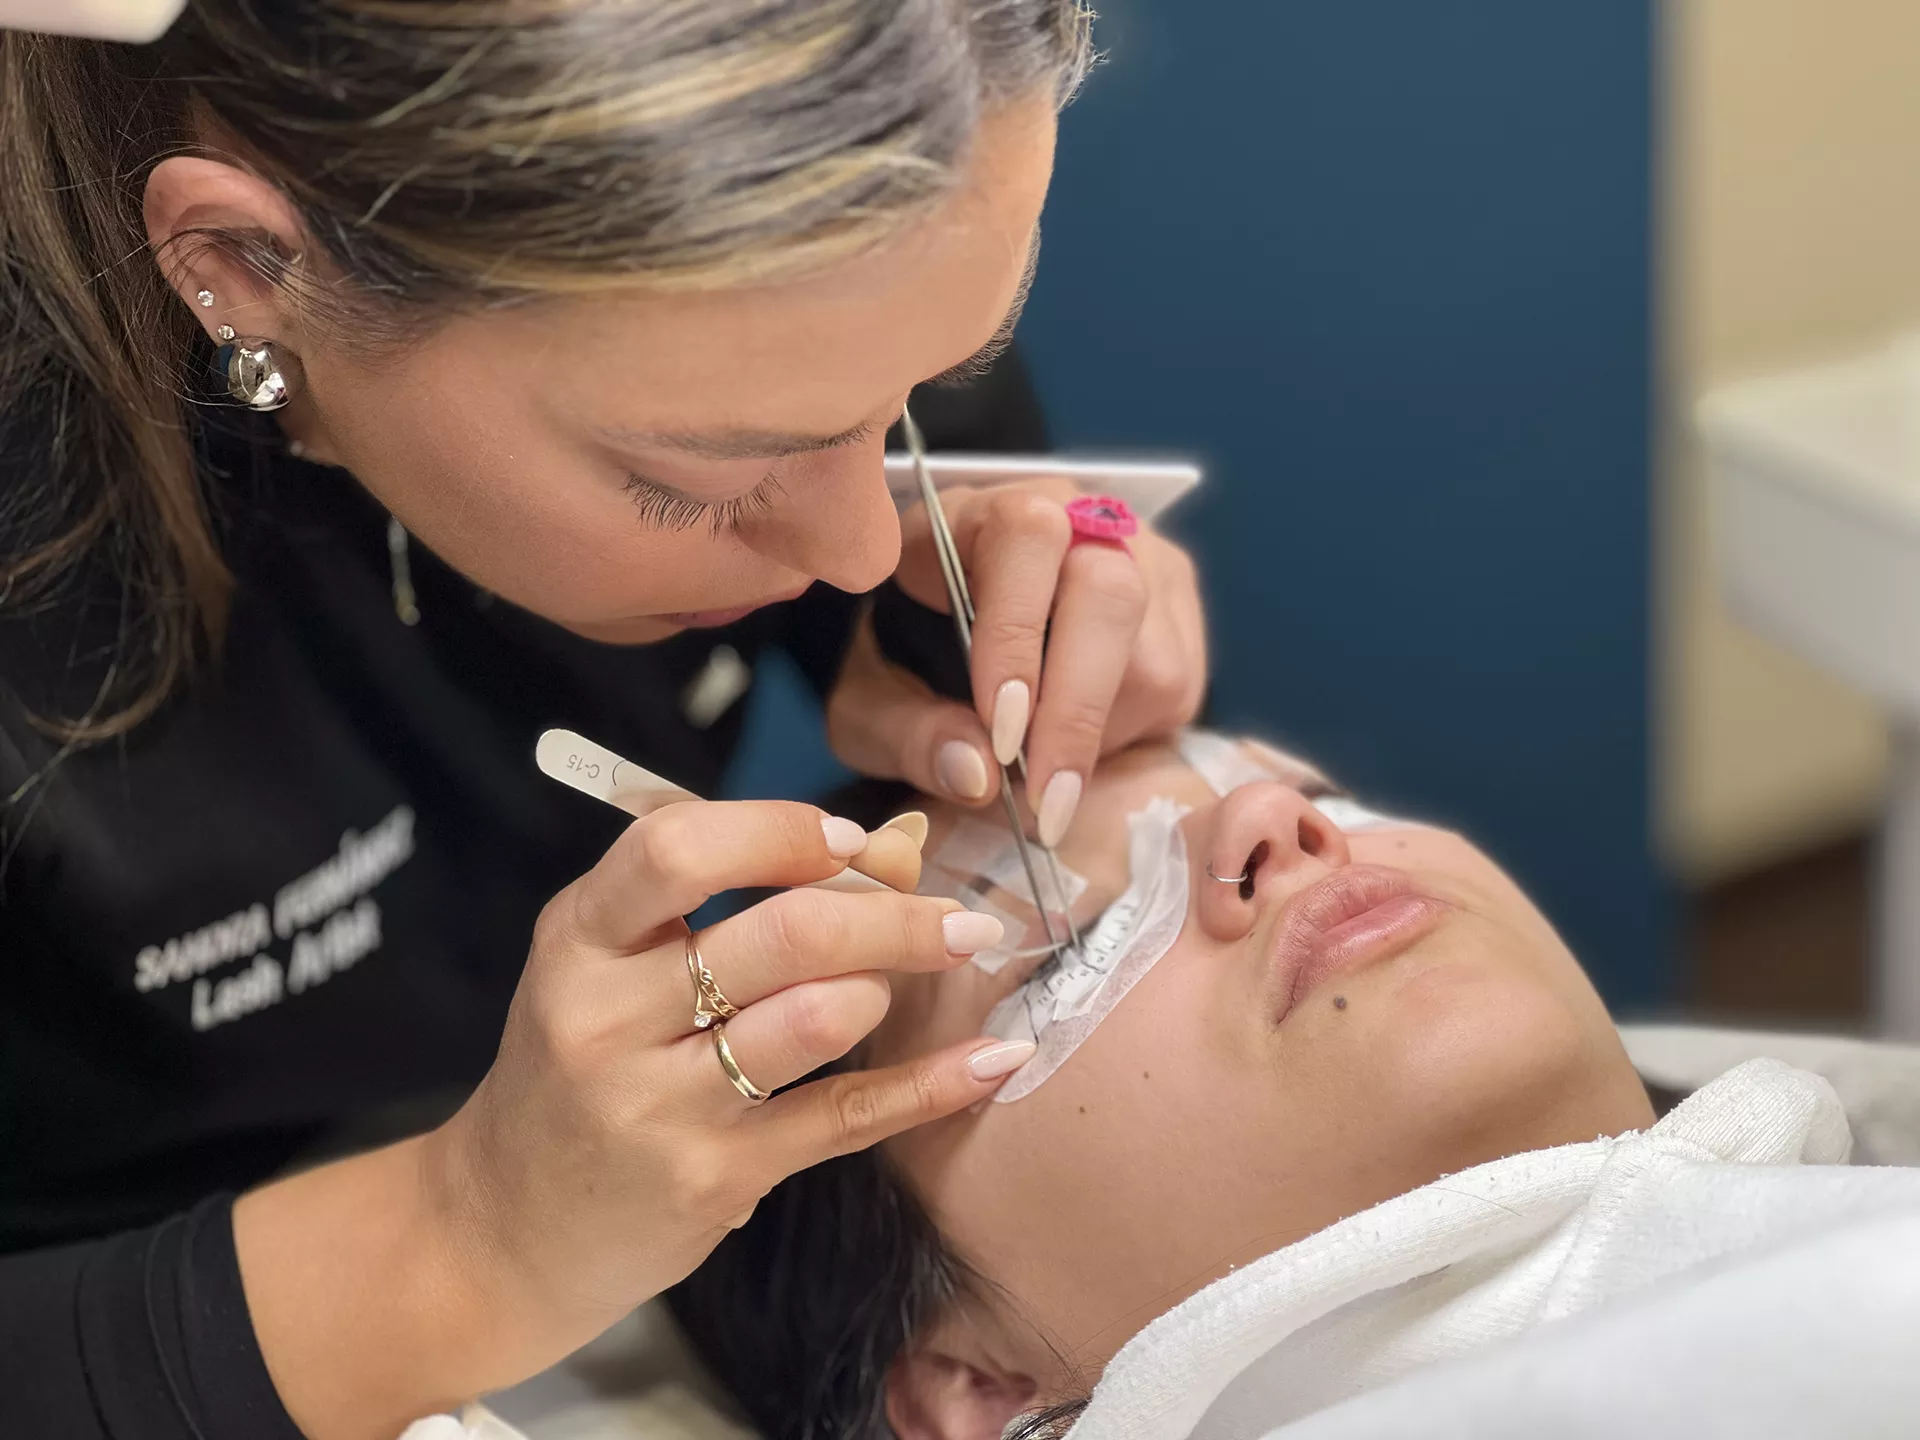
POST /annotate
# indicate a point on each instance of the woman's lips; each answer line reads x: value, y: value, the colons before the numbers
x: 1358, y: 914
x: 709, y: 619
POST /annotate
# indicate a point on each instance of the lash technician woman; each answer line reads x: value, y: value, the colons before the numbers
x: 607, y: 306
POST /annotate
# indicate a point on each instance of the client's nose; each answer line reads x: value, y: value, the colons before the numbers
x: 1266, y: 842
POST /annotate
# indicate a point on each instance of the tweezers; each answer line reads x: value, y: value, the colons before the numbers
x: 960, y: 599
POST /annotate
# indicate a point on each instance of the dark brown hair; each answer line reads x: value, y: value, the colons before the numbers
x: 800, y: 1313
x: 442, y: 155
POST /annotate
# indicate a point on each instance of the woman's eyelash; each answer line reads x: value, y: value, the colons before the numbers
x: 664, y: 510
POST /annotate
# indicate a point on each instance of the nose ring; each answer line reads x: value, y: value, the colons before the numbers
x: 1239, y: 879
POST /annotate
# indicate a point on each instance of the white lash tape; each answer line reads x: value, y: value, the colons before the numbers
x: 1226, y: 765
x: 595, y: 770
x: 1351, y: 816
x: 1067, y: 998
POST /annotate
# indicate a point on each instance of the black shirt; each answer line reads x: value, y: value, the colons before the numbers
x: 298, y: 897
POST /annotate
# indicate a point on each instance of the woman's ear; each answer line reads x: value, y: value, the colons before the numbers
x: 949, y: 1386
x: 186, y: 194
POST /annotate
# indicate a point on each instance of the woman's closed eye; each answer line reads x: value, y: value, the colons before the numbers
x: 665, y: 508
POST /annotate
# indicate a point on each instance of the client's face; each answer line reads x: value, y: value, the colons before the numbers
x: 1366, y: 1012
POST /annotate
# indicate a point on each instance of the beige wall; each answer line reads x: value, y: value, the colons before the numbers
x: 1791, y: 233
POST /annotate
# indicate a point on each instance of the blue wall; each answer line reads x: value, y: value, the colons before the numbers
x: 1384, y: 264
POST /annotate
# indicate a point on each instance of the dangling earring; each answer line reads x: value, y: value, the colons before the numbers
x: 404, y: 604
x: 259, y: 373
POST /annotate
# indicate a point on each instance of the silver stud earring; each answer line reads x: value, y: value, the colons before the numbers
x: 205, y: 297
x: 259, y: 373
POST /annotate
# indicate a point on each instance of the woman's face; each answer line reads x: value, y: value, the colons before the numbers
x: 632, y: 464
x: 1368, y: 1012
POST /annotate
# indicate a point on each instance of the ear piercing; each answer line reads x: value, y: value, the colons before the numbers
x: 260, y: 374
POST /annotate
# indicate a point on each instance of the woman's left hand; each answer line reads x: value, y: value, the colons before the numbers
x: 1097, y: 645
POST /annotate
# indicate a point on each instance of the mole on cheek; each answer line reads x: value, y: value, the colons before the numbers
x: 1339, y: 1002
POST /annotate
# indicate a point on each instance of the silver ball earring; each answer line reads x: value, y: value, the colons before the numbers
x: 259, y: 373
x: 205, y: 297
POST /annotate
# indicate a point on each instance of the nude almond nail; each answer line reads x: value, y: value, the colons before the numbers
x: 1012, y: 707
x: 1057, y: 804
x: 968, y: 932
x: 844, y: 838
x: 997, y: 1060
x: 961, y: 770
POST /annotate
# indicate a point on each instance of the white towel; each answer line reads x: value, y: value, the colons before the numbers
x: 1755, y: 1158
x: 1877, y: 1080
x: 1810, y: 1338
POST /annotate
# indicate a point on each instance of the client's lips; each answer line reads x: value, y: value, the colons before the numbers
x: 1358, y: 914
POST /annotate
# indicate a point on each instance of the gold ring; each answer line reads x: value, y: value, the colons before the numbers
x: 710, y: 1007
x: 727, y: 1063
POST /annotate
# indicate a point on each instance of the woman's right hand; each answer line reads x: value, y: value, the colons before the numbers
x: 606, y: 1152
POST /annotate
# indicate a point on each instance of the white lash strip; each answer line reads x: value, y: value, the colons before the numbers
x: 1067, y: 999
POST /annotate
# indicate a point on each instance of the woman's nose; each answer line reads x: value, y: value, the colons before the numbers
x: 837, y: 522
x: 1266, y: 841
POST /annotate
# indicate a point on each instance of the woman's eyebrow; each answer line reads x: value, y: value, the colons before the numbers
x: 977, y: 364
x: 773, y: 445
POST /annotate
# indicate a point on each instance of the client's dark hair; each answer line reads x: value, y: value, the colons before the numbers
x: 800, y: 1312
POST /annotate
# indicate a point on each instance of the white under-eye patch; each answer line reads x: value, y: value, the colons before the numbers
x: 1071, y: 994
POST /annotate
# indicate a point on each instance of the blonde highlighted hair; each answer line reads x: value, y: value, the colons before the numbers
x: 443, y: 155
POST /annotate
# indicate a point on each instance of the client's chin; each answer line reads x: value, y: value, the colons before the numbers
x: 1476, y: 1062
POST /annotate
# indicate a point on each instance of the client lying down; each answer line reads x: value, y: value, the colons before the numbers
x: 1323, y: 1099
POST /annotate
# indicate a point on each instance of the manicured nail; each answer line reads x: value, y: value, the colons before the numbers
x: 1062, y: 798
x: 969, y: 932
x: 1002, y: 1059
x: 844, y: 838
x: 961, y: 770
x: 1012, y: 704
x: 913, y: 825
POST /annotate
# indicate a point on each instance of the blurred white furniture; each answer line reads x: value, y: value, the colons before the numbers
x: 1816, y: 495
